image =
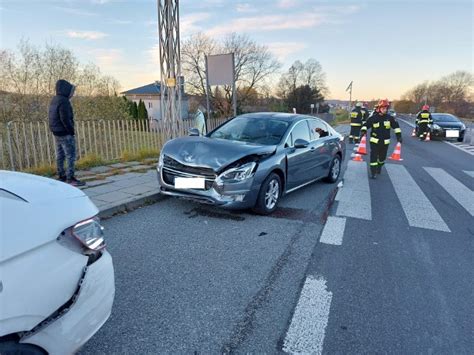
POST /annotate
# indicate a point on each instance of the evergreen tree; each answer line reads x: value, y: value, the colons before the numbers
x: 142, y: 112
x: 134, y: 110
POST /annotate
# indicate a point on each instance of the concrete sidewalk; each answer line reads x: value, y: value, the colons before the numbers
x: 121, y: 187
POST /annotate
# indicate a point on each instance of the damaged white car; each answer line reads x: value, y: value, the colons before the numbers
x: 56, y: 277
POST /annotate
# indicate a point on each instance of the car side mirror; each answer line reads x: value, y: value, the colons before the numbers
x: 193, y: 132
x: 301, y: 143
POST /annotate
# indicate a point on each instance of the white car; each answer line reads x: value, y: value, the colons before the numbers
x: 56, y: 277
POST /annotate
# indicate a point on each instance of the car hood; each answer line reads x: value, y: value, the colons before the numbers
x: 212, y: 153
x: 35, y: 210
x: 449, y: 124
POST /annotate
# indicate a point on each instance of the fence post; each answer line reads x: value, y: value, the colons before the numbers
x: 10, y: 149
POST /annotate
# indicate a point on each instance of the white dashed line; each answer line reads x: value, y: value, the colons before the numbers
x: 308, y: 326
x: 470, y: 173
x: 333, y: 231
x: 461, y: 193
x: 418, y: 209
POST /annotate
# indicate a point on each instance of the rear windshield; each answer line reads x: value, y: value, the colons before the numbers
x: 444, y: 118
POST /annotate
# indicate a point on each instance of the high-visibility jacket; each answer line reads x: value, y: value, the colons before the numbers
x: 424, y: 117
x: 356, y: 117
x: 380, y: 126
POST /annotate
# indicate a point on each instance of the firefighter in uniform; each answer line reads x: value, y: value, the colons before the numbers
x: 380, y: 123
x: 356, y: 123
x: 423, y: 120
x: 365, y: 112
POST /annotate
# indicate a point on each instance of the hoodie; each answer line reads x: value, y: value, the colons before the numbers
x: 61, y: 117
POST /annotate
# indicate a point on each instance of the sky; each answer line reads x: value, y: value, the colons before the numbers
x: 384, y: 47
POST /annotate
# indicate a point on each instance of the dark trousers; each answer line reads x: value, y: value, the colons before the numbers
x: 65, y: 150
x: 355, y: 133
x: 378, y: 154
x: 423, y: 130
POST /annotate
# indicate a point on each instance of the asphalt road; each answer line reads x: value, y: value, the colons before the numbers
x: 195, y: 278
x: 192, y: 278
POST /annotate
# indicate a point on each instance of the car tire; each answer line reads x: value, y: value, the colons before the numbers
x: 15, y: 348
x: 334, y: 170
x: 269, y: 195
x: 461, y: 139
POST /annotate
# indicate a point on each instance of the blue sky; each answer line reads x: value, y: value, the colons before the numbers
x: 385, y: 47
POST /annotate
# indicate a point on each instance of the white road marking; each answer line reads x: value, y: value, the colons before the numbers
x: 470, y: 173
x: 418, y: 209
x: 308, y: 326
x: 354, y: 197
x: 333, y: 231
x: 461, y: 193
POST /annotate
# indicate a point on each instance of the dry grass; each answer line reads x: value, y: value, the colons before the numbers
x: 43, y: 170
x: 89, y: 161
x: 141, y: 155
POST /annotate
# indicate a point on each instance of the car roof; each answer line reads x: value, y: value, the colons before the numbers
x: 290, y: 117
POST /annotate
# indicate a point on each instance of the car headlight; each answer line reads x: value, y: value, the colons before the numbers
x: 160, y: 161
x: 237, y: 174
x: 435, y: 126
x: 90, y: 233
x: 463, y: 127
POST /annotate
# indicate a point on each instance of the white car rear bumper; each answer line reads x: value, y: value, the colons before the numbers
x: 92, y: 308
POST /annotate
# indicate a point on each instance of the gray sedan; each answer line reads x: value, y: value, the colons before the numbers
x: 251, y: 161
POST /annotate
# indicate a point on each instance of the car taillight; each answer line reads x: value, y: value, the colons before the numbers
x: 90, y: 233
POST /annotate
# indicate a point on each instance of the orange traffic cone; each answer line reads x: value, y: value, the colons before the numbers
x: 396, y: 155
x: 357, y: 157
x: 362, y: 146
x: 428, y: 137
x: 413, y: 134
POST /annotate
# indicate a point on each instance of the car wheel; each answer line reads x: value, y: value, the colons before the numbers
x: 14, y: 348
x: 460, y: 139
x: 334, y: 170
x: 269, y: 195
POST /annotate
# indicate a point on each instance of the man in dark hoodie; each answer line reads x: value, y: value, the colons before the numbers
x: 61, y: 124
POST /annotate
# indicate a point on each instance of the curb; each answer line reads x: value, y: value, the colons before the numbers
x: 131, y: 205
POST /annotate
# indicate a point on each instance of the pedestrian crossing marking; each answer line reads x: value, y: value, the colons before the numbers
x: 470, y: 173
x: 417, y: 208
x: 461, y: 193
x: 354, y: 197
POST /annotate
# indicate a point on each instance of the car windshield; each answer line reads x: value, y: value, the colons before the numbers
x: 444, y: 118
x: 251, y: 129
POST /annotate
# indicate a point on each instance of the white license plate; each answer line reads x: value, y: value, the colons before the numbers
x: 189, y: 183
x: 452, y: 134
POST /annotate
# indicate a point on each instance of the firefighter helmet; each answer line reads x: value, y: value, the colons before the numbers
x: 383, y: 103
x: 425, y: 108
x: 359, y: 104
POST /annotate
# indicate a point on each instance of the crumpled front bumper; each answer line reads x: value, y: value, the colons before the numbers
x: 92, y: 308
x: 232, y: 196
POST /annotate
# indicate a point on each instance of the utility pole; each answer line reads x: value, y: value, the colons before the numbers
x: 170, y: 66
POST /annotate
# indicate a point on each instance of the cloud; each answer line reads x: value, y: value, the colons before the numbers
x: 77, y: 12
x: 119, y: 22
x: 89, y: 35
x: 286, y: 4
x: 269, y: 23
x: 189, y: 23
x: 245, y: 8
x: 284, y: 49
x: 107, y: 58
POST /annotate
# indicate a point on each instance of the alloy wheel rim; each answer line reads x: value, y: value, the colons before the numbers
x: 272, y: 194
x: 335, y: 169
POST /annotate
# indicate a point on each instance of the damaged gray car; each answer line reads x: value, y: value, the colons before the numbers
x: 251, y: 161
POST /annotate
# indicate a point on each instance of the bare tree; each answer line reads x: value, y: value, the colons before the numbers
x: 28, y: 79
x: 253, y: 65
x: 303, y: 75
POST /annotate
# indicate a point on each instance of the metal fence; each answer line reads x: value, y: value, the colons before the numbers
x: 25, y: 145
